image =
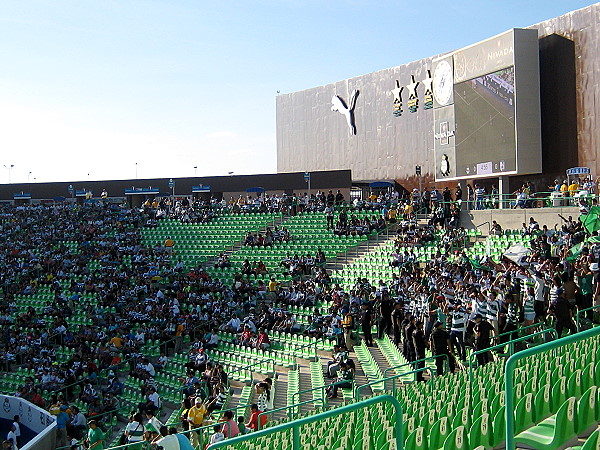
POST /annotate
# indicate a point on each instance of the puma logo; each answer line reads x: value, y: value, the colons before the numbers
x: 338, y: 104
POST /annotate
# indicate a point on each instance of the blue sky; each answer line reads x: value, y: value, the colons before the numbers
x: 90, y: 88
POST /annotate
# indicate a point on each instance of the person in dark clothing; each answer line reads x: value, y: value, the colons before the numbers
x: 509, y: 313
x: 458, y: 193
x: 447, y: 196
x: 439, y: 342
x: 366, y: 323
x: 397, y: 320
x: 408, y: 334
x: 483, y: 330
x: 418, y: 338
x: 385, y: 315
x: 563, y: 313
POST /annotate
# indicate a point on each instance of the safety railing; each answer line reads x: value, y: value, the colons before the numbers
x: 579, y: 316
x: 354, y: 252
x: 316, y: 343
x: 323, y: 389
x: 413, y: 364
x: 296, y: 424
x: 290, y: 409
x: 509, y: 372
x: 517, y: 332
x: 359, y: 389
x: 511, y: 347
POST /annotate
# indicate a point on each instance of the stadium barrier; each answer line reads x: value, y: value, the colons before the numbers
x: 357, y: 392
x: 39, y: 421
x: 295, y: 425
x: 510, y: 371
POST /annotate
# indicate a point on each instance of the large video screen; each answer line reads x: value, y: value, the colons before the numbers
x: 485, y: 124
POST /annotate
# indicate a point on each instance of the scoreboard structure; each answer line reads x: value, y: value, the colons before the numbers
x: 486, y: 110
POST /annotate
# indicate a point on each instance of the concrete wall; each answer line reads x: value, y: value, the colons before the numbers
x: 514, y: 218
x: 310, y: 136
x: 38, y: 420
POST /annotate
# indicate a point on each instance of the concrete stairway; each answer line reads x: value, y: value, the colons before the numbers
x: 280, y: 399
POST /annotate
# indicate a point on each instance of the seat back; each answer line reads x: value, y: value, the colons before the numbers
x: 542, y: 403
x: 480, y: 433
x: 565, y: 420
x: 592, y: 442
x: 524, y: 413
x: 438, y: 432
x: 559, y: 394
x: 416, y: 440
x: 587, y: 410
x: 574, y: 385
x: 457, y: 440
x: 498, y: 428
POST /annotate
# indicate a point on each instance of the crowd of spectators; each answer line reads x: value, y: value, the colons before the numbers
x: 92, y: 262
x: 268, y: 238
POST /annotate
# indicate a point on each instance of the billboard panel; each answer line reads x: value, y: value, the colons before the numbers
x: 496, y: 111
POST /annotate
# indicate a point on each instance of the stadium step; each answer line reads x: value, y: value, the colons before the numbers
x: 354, y: 253
x: 360, y: 377
x: 305, y: 382
x: 280, y: 398
x: 380, y: 359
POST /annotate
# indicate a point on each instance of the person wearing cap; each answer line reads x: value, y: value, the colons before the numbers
x: 439, y: 342
x: 563, y: 314
x: 62, y: 419
x: 95, y: 438
x: 8, y: 445
x: 195, y: 419
x: 483, y: 331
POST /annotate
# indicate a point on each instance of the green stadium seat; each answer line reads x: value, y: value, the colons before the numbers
x: 480, y: 433
x: 553, y: 431
x: 457, y: 440
x: 591, y: 443
x: 438, y: 433
x: 587, y: 410
x: 524, y: 413
x: 416, y: 440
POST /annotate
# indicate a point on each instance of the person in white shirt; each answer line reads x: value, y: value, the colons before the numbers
x: 148, y: 367
x: 78, y: 423
x: 16, y: 423
x: 12, y: 437
x: 213, y: 340
x: 233, y: 326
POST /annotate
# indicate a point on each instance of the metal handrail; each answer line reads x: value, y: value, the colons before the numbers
x: 511, y: 348
x: 580, y: 312
x: 510, y: 369
x: 295, y: 425
x: 393, y: 377
x: 323, y: 388
x: 290, y: 408
x: 487, y: 222
x: 417, y: 361
x: 518, y: 330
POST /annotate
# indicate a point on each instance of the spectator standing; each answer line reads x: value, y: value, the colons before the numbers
x: 439, y: 342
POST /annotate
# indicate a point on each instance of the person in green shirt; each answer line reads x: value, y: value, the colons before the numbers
x: 95, y: 437
x: 242, y: 425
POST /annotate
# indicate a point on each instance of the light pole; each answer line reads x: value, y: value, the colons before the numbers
x: 136, y: 171
x: 10, y: 168
x: 195, y: 171
x: 28, y: 175
x: 172, y: 186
